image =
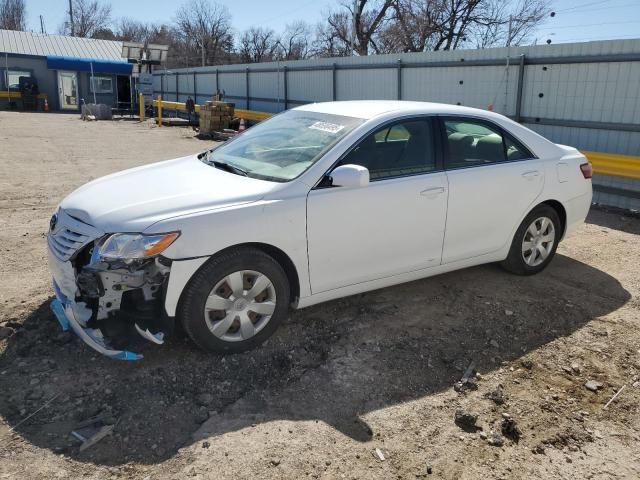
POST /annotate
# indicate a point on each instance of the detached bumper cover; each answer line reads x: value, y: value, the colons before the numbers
x: 89, y: 290
x: 64, y: 310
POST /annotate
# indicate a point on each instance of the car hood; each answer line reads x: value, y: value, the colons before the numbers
x: 135, y: 199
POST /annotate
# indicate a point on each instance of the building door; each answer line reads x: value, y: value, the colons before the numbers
x: 124, y: 91
x: 68, y: 90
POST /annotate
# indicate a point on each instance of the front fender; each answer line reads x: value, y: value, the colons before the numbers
x: 277, y: 223
x: 181, y: 273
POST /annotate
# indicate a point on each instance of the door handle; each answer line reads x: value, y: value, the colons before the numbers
x: 432, y: 192
x: 532, y: 174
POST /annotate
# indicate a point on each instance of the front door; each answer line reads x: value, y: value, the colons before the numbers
x: 393, y: 225
x: 68, y: 90
x: 493, y: 182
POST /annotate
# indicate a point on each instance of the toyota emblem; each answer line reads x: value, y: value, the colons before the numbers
x: 53, y: 222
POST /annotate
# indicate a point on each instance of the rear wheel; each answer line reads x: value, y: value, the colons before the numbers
x: 235, y: 301
x: 535, y: 242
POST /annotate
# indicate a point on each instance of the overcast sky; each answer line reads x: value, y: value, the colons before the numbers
x: 575, y: 20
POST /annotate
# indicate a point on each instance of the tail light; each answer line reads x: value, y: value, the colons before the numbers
x: 587, y: 170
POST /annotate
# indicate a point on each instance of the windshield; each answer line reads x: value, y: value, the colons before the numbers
x: 283, y: 147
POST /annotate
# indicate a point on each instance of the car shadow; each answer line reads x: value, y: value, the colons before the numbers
x: 614, y: 218
x: 333, y: 362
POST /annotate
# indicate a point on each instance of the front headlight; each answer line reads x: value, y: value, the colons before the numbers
x: 134, y: 246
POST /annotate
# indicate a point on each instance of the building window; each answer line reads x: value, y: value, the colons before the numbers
x: 102, y: 84
x: 13, y: 78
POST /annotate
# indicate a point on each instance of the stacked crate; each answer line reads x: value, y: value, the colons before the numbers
x: 215, y: 116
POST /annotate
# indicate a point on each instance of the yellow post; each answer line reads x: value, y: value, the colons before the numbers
x: 141, y: 102
x: 159, y: 111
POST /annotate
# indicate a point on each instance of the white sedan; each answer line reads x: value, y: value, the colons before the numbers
x: 319, y: 202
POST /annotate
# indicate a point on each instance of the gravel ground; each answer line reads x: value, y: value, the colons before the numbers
x: 364, y: 387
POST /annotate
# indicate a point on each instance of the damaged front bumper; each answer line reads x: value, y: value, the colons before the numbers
x: 89, y: 291
x: 92, y: 337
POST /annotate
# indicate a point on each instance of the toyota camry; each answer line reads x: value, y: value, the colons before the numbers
x: 319, y: 202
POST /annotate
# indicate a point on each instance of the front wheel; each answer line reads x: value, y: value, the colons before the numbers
x: 535, y: 242
x: 235, y: 301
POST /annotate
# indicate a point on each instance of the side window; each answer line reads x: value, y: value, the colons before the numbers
x: 405, y: 148
x: 473, y: 142
x: 395, y: 133
x: 515, y: 150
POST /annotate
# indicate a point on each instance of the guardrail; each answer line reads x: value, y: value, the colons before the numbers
x: 624, y: 166
x: 5, y: 94
x: 252, y: 115
x: 42, y: 102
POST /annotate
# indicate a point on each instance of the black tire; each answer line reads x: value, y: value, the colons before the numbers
x: 192, y: 304
x: 515, y: 262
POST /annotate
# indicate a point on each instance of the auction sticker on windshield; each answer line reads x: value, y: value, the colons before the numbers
x: 327, y: 127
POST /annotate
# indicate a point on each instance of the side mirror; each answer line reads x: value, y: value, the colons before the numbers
x: 352, y: 176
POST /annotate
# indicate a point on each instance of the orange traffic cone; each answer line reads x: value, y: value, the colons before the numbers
x: 243, y: 125
x: 46, y: 105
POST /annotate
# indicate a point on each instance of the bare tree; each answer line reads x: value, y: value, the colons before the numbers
x: 257, y: 44
x: 454, y: 20
x: 356, y: 24
x: 367, y: 22
x: 13, y: 15
x: 132, y: 30
x: 327, y: 43
x: 206, y: 27
x: 414, y: 26
x: 420, y: 25
x: 295, y: 42
x: 90, y: 18
x: 104, y: 34
x: 180, y: 54
x: 508, y: 25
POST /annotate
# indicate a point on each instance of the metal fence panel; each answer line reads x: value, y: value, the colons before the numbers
x: 590, y: 92
x: 205, y: 86
x: 469, y: 86
x: 582, y: 94
x: 310, y: 86
x: 185, y: 86
x: 267, y: 84
x: 234, y: 87
x: 351, y: 84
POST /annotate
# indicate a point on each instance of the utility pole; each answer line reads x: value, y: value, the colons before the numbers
x: 71, y: 18
x: 41, y: 24
x: 284, y: 50
x: 506, y: 83
x: 203, y: 53
x: 353, y: 27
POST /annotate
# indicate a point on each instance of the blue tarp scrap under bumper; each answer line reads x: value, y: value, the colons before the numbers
x: 76, y: 64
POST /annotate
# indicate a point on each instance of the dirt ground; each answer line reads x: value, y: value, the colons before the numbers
x: 363, y: 387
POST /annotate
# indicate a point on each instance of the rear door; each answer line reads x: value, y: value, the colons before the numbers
x: 493, y: 181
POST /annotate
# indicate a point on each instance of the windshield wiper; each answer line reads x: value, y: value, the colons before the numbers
x: 229, y: 168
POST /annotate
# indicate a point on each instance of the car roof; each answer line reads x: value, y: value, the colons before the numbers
x: 368, y: 109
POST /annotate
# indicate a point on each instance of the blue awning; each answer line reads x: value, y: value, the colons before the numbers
x: 76, y: 64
